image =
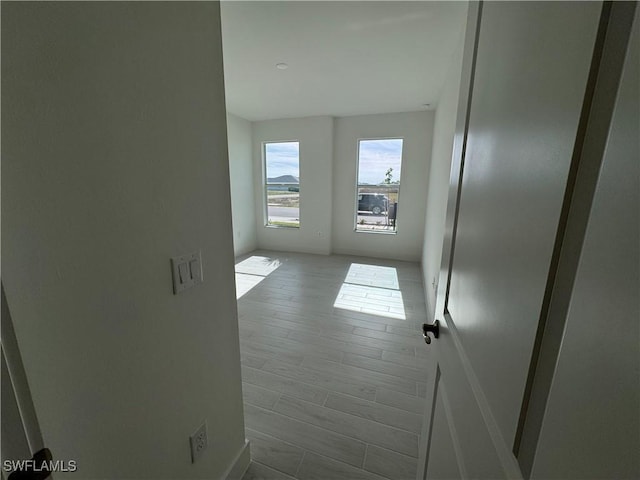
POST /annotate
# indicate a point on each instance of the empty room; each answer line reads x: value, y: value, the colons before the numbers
x: 331, y: 111
x: 309, y: 240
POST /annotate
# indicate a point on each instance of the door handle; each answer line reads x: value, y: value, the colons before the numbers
x: 433, y: 328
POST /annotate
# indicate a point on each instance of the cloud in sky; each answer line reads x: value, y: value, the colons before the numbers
x: 282, y: 159
x: 376, y: 157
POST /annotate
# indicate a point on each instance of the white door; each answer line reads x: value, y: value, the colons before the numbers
x: 525, y: 75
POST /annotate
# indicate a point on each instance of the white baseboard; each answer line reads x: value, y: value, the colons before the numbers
x: 240, y: 463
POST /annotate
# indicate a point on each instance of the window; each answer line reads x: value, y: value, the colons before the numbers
x: 379, y: 167
x: 282, y: 184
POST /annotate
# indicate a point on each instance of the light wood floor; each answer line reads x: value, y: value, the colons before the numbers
x: 332, y: 365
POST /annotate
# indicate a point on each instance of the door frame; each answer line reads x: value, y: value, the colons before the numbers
x: 18, y: 379
x: 614, y: 31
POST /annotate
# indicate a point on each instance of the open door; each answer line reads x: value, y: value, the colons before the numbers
x: 530, y: 73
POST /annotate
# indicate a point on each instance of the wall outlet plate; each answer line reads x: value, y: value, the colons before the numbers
x: 199, y: 442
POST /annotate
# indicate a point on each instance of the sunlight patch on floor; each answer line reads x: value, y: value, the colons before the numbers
x: 373, y: 276
x: 371, y: 289
x: 245, y: 282
x: 251, y: 271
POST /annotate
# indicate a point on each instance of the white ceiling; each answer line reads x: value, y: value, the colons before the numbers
x: 345, y: 58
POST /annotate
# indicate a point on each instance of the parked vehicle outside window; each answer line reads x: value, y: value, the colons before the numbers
x: 373, y: 202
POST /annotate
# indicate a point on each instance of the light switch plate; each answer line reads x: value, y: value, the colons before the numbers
x: 186, y: 271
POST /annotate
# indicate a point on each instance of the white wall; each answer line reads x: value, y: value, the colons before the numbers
x: 315, y: 135
x: 114, y: 155
x: 242, y: 184
x: 416, y: 129
x: 438, y: 179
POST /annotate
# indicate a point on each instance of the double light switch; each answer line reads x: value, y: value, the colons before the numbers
x: 187, y: 271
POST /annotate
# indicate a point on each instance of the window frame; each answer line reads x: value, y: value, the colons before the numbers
x: 357, y: 193
x: 265, y: 196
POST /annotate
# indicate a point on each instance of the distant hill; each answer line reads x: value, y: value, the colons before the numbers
x: 284, y: 179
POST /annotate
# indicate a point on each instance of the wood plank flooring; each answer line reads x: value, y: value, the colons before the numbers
x: 332, y: 365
